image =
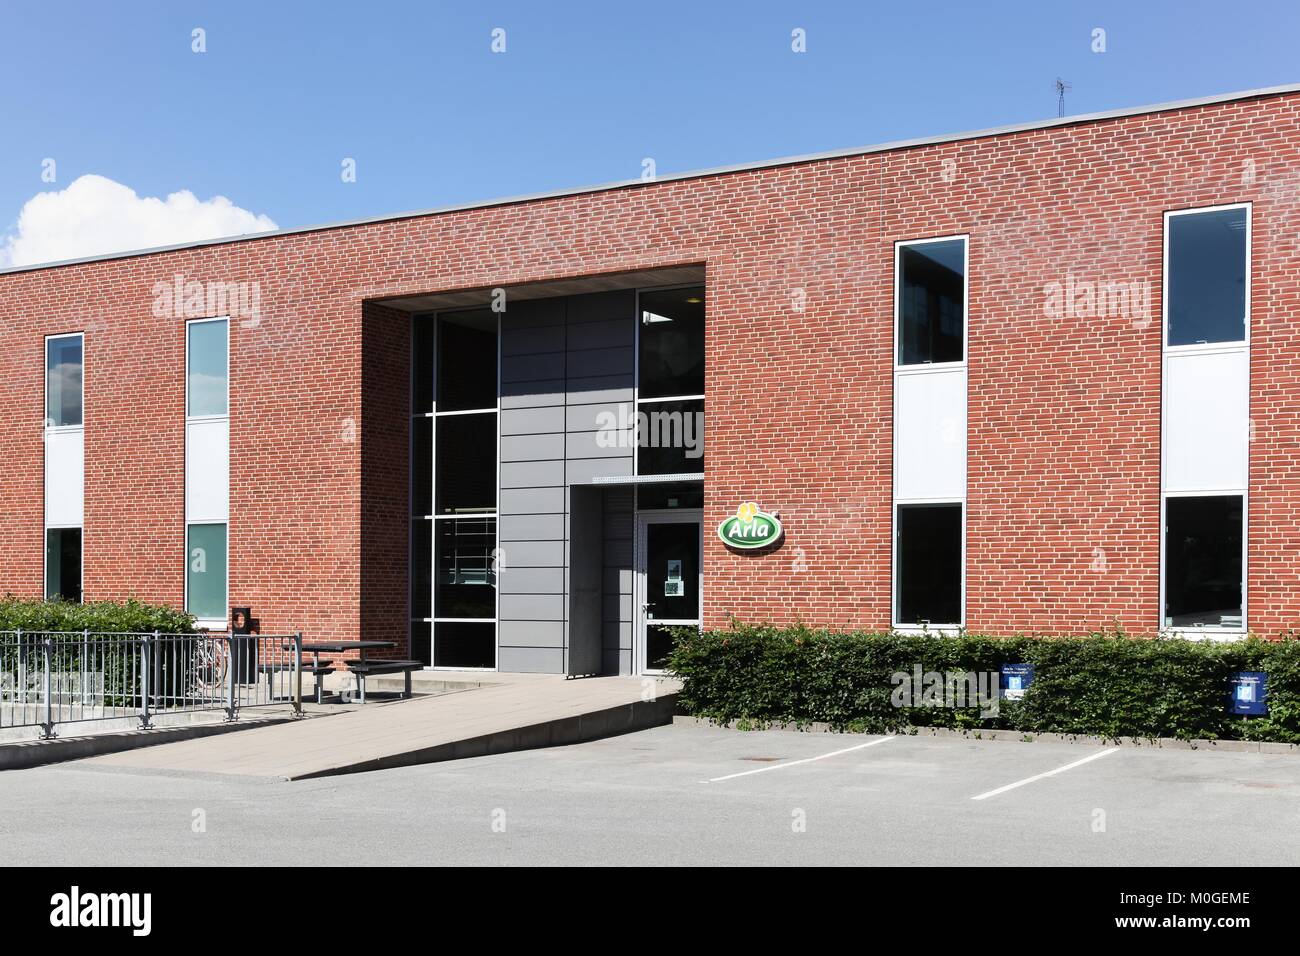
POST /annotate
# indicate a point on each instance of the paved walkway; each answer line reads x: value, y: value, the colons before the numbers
x: 514, y: 712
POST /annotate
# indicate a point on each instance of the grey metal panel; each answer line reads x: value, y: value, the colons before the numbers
x: 596, y: 445
x: 523, y: 314
x: 533, y: 554
x: 531, y: 660
x: 532, y: 421
x: 532, y: 501
x: 610, y: 333
x: 616, y: 607
x: 525, y: 527
x: 581, y: 471
x: 617, y: 580
x: 531, y: 474
x: 533, y: 368
x: 586, y: 389
x: 531, y: 633
x: 600, y: 362
x: 594, y: 417
x: 532, y: 394
x: 602, y: 306
x: 532, y: 447
x: 532, y: 580
x: 616, y: 661
x: 546, y: 338
x: 531, y: 607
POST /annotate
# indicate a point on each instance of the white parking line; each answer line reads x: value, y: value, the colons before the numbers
x: 792, y: 763
x: 1050, y: 773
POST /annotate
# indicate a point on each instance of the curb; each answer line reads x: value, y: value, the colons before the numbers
x: 1017, y: 736
x: 24, y: 754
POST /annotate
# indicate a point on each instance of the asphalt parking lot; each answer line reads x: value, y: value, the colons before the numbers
x: 683, y: 795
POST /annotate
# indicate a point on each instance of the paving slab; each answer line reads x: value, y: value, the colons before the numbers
x: 514, y: 712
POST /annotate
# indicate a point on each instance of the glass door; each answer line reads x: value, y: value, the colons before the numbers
x: 669, y: 582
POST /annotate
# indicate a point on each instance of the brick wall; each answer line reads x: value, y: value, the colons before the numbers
x: 1064, y: 436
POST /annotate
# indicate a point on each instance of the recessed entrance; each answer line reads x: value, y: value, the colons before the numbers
x: 669, y: 582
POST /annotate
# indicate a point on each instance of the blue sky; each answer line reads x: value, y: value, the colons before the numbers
x: 584, y: 91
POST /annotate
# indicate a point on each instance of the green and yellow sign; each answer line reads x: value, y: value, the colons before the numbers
x: 750, y: 527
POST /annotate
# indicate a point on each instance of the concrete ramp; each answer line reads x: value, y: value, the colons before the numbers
x: 512, y: 712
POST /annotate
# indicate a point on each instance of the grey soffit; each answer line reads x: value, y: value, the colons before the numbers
x: 611, y: 282
x: 644, y: 479
x: 699, y: 173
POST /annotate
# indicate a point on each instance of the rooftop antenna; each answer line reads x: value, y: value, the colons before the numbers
x: 1060, y: 86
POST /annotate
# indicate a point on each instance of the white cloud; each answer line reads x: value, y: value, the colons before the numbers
x: 96, y: 215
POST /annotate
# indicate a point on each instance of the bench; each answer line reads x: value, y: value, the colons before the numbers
x: 364, y: 669
x: 319, y: 671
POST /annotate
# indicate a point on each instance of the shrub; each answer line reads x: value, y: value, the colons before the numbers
x: 97, y: 616
x: 1105, y: 684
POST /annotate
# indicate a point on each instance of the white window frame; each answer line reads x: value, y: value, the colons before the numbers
x: 637, y: 400
x: 495, y: 515
x: 211, y: 623
x: 61, y: 429
x: 923, y: 367
x: 1209, y: 631
x: 1236, y: 344
x: 943, y: 628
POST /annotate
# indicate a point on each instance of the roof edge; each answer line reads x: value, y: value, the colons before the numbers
x: 892, y: 146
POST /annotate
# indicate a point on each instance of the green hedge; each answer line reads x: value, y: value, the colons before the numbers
x: 97, y: 616
x: 1104, y: 684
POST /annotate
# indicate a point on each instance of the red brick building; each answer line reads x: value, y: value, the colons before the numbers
x: 1036, y: 379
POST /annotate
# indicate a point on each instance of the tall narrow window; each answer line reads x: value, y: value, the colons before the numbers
x: 64, y: 466
x: 454, y: 489
x: 207, y: 469
x: 1204, y: 582
x: 929, y: 564
x: 670, y: 392
x: 931, y: 301
x: 63, y: 384
x: 63, y: 564
x: 1207, y: 276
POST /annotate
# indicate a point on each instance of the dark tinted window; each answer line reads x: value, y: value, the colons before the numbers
x: 63, y: 380
x: 1203, y: 561
x: 422, y: 365
x: 672, y: 343
x: 464, y: 644
x: 1207, y: 277
x: 467, y: 360
x: 421, y: 568
x: 932, y: 302
x: 670, y: 438
x: 466, y: 463
x: 929, y: 564
x: 421, y: 466
x: 670, y: 494
x: 63, y: 564
x: 466, y: 581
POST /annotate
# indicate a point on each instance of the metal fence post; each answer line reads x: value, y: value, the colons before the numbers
x: 144, y: 680
x: 297, y: 673
x: 47, y: 648
x: 230, y: 676
x: 22, y: 673
x: 85, y: 667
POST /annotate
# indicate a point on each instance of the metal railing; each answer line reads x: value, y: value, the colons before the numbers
x: 51, y: 678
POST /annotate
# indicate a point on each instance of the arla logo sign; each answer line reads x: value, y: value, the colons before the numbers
x: 750, y: 528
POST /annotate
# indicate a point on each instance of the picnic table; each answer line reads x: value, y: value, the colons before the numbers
x: 360, y: 667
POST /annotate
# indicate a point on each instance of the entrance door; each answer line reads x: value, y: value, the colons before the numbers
x: 670, y: 551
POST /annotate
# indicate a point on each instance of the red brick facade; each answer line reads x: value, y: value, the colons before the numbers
x: 1063, y: 487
